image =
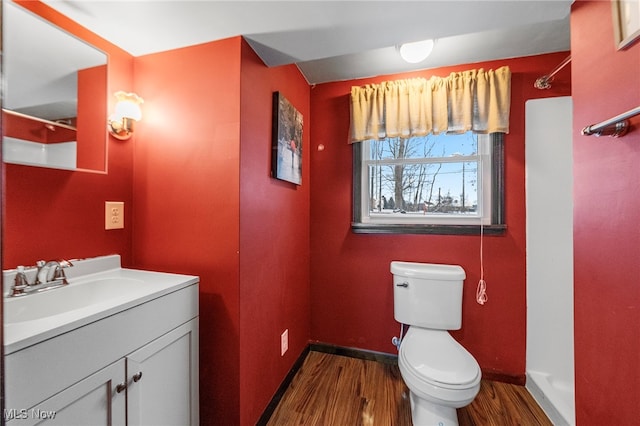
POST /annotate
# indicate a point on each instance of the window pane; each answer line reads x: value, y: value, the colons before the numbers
x: 425, y: 189
x: 430, y: 146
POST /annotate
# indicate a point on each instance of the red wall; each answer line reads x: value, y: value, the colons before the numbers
x: 351, y: 292
x: 274, y: 238
x: 92, y: 110
x: 186, y: 187
x: 206, y: 205
x: 49, y: 214
x: 606, y: 83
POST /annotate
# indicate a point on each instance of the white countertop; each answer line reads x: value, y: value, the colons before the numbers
x: 21, y: 334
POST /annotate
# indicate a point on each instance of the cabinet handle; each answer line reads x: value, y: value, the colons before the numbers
x: 137, y: 376
x: 121, y: 387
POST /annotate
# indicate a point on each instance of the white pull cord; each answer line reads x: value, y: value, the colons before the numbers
x: 481, y: 292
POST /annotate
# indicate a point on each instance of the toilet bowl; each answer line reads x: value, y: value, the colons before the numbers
x: 440, y: 373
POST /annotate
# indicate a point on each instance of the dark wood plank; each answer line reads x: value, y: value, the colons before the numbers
x: 337, y: 390
x: 498, y: 404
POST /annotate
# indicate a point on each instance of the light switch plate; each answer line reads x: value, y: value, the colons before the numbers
x: 113, y: 215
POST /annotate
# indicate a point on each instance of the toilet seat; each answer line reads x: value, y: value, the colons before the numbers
x: 437, y: 359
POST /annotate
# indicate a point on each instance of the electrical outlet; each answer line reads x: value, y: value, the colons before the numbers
x: 284, y: 342
x: 113, y: 215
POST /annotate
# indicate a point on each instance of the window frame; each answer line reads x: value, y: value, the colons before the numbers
x: 497, y: 225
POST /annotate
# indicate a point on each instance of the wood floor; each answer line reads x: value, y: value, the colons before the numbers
x: 334, y: 390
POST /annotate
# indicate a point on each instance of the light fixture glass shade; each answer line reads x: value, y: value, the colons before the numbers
x: 417, y: 51
x: 128, y: 106
x: 126, y: 112
x: 128, y: 109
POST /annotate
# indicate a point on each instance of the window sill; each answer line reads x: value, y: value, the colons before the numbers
x: 367, y: 228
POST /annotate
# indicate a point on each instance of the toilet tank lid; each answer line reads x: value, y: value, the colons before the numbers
x: 428, y: 270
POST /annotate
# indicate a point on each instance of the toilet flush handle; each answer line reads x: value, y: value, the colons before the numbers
x: 404, y: 284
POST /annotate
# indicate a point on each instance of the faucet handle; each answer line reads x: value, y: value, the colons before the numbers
x: 65, y: 263
x: 20, y: 282
x: 58, y: 272
x: 21, y: 278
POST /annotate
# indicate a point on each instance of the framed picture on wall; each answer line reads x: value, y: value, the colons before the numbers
x: 286, y: 157
x: 626, y: 22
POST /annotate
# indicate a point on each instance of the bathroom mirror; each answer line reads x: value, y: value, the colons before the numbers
x: 55, y: 95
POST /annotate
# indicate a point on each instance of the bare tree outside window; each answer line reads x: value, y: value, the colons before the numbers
x: 428, y: 175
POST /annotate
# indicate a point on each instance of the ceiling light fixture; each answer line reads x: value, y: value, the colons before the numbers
x: 417, y: 51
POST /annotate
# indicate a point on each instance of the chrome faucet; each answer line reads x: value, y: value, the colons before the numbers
x: 51, y: 271
x: 48, y: 275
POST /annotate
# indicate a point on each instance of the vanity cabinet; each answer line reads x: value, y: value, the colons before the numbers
x: 155, y: 385
x: 137, y: 367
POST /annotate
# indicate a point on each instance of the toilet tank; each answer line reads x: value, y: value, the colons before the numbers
x: 428, y: 295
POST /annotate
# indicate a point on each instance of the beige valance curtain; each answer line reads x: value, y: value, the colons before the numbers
x: 475, y: 100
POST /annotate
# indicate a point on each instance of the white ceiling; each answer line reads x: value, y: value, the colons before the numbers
x: 334, y: 40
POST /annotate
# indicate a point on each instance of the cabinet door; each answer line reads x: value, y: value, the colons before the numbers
x: 163, y: 380
x: 96, y: 400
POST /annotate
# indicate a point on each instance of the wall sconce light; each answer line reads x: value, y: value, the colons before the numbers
x: 417, y: 51
x: 127, y: 111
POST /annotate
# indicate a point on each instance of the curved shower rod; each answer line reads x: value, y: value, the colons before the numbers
x: 544, y: 82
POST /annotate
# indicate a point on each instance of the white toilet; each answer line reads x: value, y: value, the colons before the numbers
x: 441, y: 375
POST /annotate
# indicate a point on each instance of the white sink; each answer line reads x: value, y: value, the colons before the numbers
x: 97, y: 288
x: 80, y: 295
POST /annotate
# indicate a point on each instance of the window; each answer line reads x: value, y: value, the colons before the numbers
x: 444, y: 184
